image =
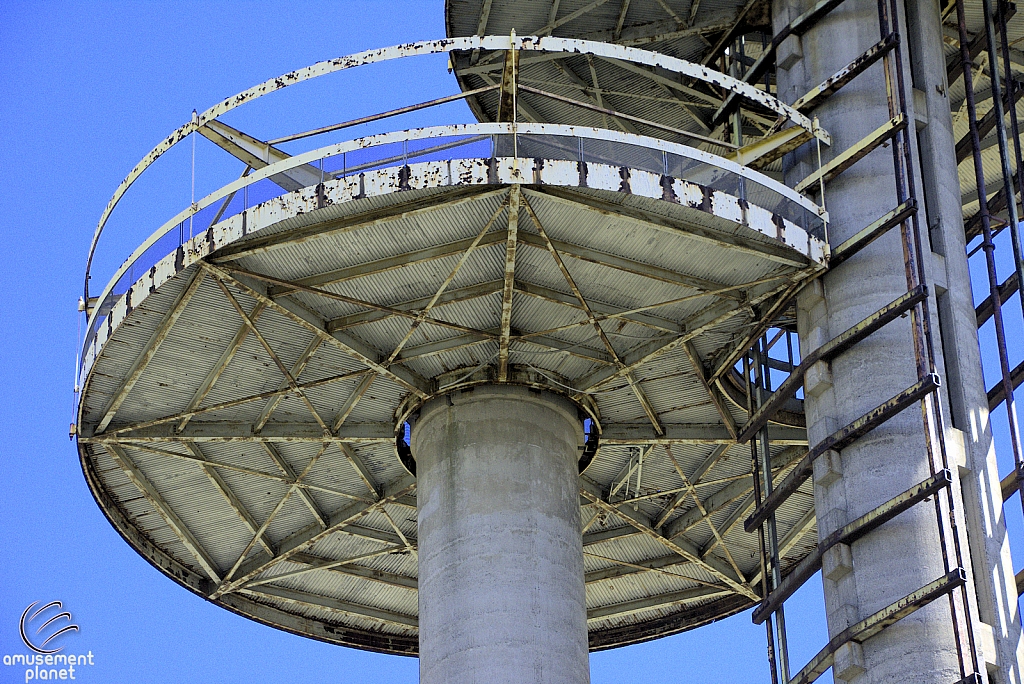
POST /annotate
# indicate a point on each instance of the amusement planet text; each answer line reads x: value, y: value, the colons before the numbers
x: 50, y: 666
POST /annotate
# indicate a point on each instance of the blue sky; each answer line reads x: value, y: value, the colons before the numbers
x: 89, y: 88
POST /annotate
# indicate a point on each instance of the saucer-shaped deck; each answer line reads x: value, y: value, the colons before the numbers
x: 242, y: 400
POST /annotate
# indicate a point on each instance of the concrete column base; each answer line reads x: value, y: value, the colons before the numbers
x: 501, y: 588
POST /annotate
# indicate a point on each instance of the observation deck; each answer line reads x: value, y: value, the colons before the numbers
x: 252, y: 367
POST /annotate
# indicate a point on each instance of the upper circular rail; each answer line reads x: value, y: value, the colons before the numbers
x: 447, y: 45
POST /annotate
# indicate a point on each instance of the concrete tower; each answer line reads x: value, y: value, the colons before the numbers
x: 500, y: 394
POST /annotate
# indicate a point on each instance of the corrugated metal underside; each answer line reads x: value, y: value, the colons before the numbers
x: 241, y: 495
x: 662, y: 26
x: 650, y: 24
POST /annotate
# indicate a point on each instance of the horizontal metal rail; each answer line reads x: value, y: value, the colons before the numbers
x: 869, y: 627
x: 448, y: 45
x: 847, y: 535
x: 454, y: 130
x: 838, y: 441
x: 829, y: 350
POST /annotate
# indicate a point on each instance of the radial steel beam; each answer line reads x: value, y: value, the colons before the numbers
x: 303, y: 598
x: 234, y: 431
x: 397, y: 375
x: 163, y: 329
x: 297, y: 368
x: 185, y: 416
x: 277, y: 509
x: 302, y: 539
x: 508, y: 285
x: 219, y: 367
x: 296, y: 482
x: 229, y: 495
x: 633, y: 383
x: 273, y: 355
x: 679, y: 546
x: 164, y: 510
x: 716, y: 398
x: 256, y: 154
x: 221, y: 465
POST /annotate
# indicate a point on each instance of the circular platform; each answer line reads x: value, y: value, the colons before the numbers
x: 245, y: 393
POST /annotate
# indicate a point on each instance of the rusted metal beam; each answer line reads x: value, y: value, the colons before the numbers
x: 865, y: 236
x: 997, y: 394
x: 797, y: 27
x: 828, y: 351
x: 833, y: 83
x: 508, y: 286
x: 837, y: 441
x: 848, y: 534
x: 854, y: 153
x: 869, y: 627
x: 985, y: 126
x: 716, y: 399
x: 1006, y: 290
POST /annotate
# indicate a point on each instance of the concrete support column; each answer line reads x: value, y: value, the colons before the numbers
x: 904, y: 554
x: 501, y: 589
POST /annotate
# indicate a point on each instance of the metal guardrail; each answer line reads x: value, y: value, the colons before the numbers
x: 461, y: 141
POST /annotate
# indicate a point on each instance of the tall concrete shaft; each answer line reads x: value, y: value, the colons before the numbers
x: 904, y: 554
x: 501, y: 589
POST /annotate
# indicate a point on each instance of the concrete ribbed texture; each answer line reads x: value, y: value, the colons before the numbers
x: 501, y: 590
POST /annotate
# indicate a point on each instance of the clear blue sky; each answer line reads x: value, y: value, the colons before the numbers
x: 89, y: 88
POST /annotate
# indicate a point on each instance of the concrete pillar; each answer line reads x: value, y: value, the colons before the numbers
x: 501, y: 589
x: 904, y: 554
x: 972, y: 451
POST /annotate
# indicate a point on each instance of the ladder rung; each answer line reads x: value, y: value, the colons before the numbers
x: 996, y: 396
x: 848, y: 534
x: 985, y: 126
x: 837, y: 441
x: 987, y: 307
x: 851, y: 71
x: 865, y: 236
x: 829, y: 350
x: 796, y: 27
x: 869, y: 627
x: 855, y: 153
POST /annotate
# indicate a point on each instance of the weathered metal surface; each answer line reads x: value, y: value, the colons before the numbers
x: 870, y: 626
x: 837, y: 441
